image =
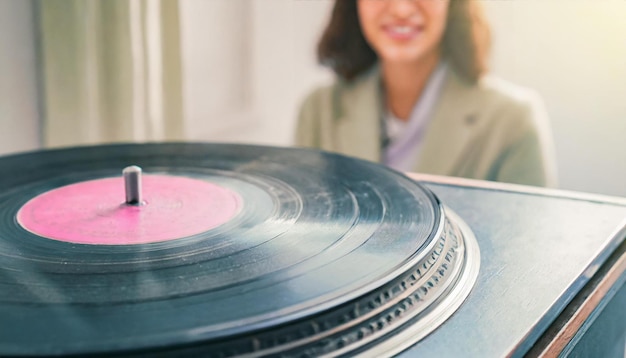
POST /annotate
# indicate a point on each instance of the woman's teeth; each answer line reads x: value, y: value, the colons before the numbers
x: 402, y: 29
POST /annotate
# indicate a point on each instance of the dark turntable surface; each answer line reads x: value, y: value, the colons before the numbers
x: 327, y: 255
x: 539, y: 248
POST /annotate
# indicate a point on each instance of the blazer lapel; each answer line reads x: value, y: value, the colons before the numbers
x: 357, y: 129
x: 359, y: 109
x: 449, y: 132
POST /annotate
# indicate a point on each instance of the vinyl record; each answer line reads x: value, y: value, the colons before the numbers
x: 236, y: 250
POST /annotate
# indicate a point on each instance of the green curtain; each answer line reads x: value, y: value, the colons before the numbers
x: 111, y: 71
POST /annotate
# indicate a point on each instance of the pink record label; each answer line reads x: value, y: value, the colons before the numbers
x: 94, y: 212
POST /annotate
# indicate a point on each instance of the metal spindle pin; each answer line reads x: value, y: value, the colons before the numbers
x: 132, y: 182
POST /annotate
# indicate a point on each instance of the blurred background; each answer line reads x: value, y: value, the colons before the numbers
x: 94, y: 71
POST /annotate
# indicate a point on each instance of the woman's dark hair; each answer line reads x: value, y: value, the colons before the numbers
x: 465, y: 44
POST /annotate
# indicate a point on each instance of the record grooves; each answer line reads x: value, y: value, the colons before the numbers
x: 326, y: 255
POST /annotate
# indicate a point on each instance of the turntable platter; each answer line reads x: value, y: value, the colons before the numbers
x: 323, y: 255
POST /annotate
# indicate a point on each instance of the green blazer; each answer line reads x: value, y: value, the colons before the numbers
x: 491, y: 130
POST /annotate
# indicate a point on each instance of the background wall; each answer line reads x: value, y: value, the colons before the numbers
x: 574, y: 54
x: 247, y: 64
x: 19, y: 118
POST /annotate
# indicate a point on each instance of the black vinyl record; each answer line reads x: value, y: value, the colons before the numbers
x: 316, y: 233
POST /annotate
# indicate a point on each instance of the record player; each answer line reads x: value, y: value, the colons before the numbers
x: 222, y: 250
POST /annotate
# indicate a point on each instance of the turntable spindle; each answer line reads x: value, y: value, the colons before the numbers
x: 132, y: 182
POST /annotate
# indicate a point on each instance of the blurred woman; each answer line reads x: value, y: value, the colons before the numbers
x: 412, y: 92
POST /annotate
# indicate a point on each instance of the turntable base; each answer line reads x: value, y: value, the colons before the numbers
x: 322, y: 255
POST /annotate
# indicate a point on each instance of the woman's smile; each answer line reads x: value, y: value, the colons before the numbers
x: 402, y: 32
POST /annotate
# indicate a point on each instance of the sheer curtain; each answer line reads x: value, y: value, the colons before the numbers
x: 111, y: 71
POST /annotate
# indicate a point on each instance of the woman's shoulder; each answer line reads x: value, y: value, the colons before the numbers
x: 339, y: 103
x: 513, y: 120
x: 315, y: 112
x: 499, y: 102
x: 341, y: 94
x: 317, y: 106
x: 340, y: 86
x: 318, y: 95
x: 508, y: 96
